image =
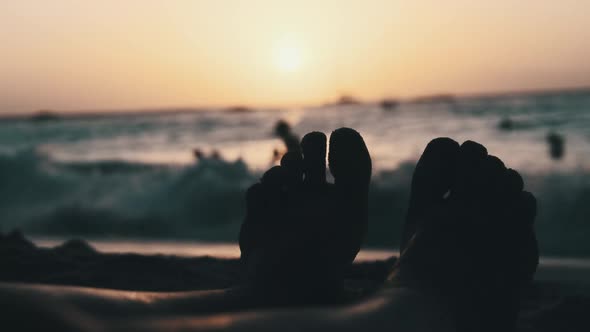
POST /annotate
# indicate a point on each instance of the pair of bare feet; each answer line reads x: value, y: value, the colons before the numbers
x: 468, y: 235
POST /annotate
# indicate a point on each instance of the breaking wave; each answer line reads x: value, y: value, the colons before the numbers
x: 205, y: 201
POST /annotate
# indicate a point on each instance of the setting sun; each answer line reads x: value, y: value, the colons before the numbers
x: 287, y: 57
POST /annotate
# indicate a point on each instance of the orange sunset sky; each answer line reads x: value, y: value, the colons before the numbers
x: 111, y: 55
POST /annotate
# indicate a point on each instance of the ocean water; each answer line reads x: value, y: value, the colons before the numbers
x: 134, y: 174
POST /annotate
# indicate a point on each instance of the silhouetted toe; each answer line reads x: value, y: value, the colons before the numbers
x: 349, y: 159
x: 470, y: 167
x: 514, y: 181
x: 432, y: 179
x: 435, y: 170
x: 314, y: 162
x: 350, y: 164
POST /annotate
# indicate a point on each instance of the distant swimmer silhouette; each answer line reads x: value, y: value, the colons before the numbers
x: 556, y: 145
x: 283, y: 131
x: 201, y: 155
x: 469, y: 235
x: 300, y: 232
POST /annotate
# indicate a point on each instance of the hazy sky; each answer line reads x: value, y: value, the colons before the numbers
x: 116, y: 54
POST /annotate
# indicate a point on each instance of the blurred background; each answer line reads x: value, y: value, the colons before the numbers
x: 126, y: 122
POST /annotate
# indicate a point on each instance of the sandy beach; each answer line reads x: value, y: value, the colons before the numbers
x: 127, y: 290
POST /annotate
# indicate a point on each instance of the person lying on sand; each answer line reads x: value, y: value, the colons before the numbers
x: 469, y: 251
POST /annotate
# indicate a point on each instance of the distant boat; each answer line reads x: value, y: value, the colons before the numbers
x: 388, y: 104
x: 44, y: 116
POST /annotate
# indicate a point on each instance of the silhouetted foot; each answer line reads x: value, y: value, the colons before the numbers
x: 301, y: 232
x: 469, y: 235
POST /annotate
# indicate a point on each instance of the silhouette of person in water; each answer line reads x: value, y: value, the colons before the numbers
x: 556, y: 145
x: 302, y: 231
x: 200, y: 155
x: 283, y: 131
